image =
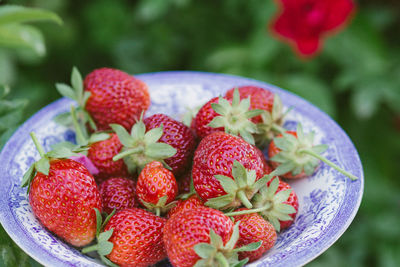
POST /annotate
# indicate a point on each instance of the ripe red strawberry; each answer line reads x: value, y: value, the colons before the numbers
x: 118, y: 193
x: 293, y: 155
x: 156, y: 187
x: 63, y: 194
x: 202, y: 235
x: 254, y: 228
x: 179, y: 136
x: 101, y: 154
x: 116, y: 97
x: 136, y: 238
x: 292, y: 200
x: 203, y: 117
x: 260, y: 98
x: 230, y: 115
x: 219, y: 160
x: 192, y: 202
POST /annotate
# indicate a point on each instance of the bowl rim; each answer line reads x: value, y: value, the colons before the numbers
x: 19, y: 236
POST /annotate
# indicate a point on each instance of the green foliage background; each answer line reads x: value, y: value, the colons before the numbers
x: 356, y: 80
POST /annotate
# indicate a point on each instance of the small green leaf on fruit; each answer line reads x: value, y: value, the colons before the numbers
x: 43, y: 166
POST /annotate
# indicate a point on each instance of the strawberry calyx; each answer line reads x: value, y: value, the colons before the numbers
x: 215, y: 253
x: 271, y: 123
x: 76, y: 93
x: 43, y: 165
x: 235, y: 117
x: 103, y: 247
x: 160, y: 207
x: 141, y: 147
x: 239, y: 190
x: 298, y: 154
x: 270, y: 204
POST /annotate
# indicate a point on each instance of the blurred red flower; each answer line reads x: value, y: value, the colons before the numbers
x: 303, y: 23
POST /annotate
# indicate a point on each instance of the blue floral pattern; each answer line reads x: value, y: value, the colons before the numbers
x: 328, y: 201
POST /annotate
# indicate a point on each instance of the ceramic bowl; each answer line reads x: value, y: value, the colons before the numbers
x: 328, y: 200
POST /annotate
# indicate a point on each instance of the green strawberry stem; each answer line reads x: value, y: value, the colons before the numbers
x: 90, y: 249
x: 278, y: 128
x: 37, y: 145
x: 330, y: 163
x: 127, y: 153
x: 221, y: 259
x: 79, y: 134
x: 235, y: 213
x: 243, y: 198
x: 158, y: 211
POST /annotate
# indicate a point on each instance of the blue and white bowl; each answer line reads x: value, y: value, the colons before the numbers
x: 328, y: 200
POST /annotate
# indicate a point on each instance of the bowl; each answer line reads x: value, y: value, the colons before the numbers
x: 328, y: 200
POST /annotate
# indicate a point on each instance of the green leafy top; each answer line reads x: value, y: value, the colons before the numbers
x: 271, y: 123
x: 270, y: 204
x: 103, y: 246
x: 43, y: 165
x: 76, y: 92
x: 141, y: 147
x: 215, y: 253
x: 298, y: 154
x: 235, y: 117
x: 239, y: 190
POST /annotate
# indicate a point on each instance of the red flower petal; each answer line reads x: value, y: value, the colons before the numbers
x: 308, y: 47
x: 338, y: 14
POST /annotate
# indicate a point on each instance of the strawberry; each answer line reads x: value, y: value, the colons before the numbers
x: 254, y: 228
x: 62, y: 194
x: 203, y: 237
x: 293, y: 155
x: 276, y: 202
x: 115, y: 97
x: 192, y: 202
x: 267, y: 168
x: 184, y: 182
x: 232, y: 116
x: 101, y: 154
x: 141, y: 147
x: 131, y: 237
x: 260, y: 98
x: 226, y: 170
x: 118, y: 193
x: 269, y: 123
x: 176, y: 134
x: 156, y: 187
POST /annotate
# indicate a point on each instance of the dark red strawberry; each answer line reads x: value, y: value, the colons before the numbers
x: 118, y: 193
x: 156, y: 187
x: 226, y: 170
x: 177, y: 135
x: 202, y: 235
x: 293, y: 155
x: 63, y: 194
x: 267, y: 168
x: 137, y: 238
x: 254, y: 228
x: 115, y: 97
x: 232, y: 116
x: 184, y: 182
x: 260, y: 98
x: 101, y: 154
x: 192, y: 202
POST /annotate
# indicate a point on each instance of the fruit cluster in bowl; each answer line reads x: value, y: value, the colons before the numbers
x: 199, y: 192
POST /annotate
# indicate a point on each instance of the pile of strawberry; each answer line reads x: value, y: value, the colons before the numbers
x: 201, y: 195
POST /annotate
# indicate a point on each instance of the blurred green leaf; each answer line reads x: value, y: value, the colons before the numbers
x: 22, y: 36
x: 19, y: 14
